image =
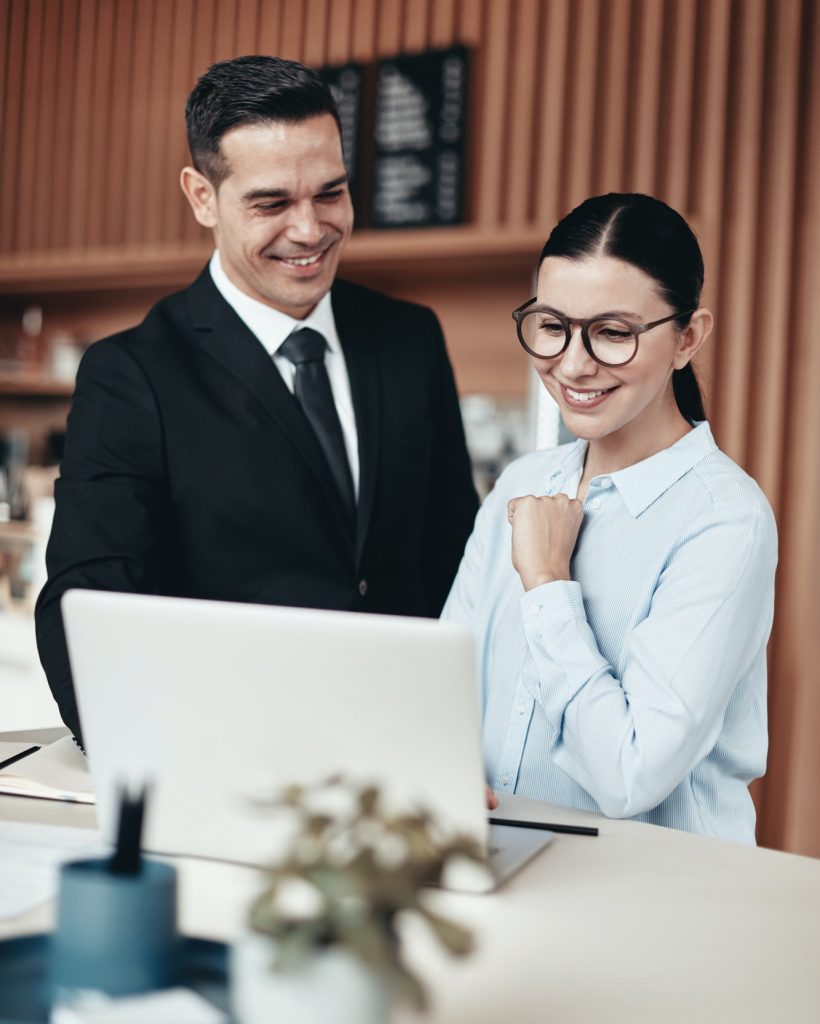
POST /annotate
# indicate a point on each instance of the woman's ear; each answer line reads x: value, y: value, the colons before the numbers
x: 692, y: 337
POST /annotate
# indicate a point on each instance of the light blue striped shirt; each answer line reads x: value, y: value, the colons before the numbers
x: 638, y: 689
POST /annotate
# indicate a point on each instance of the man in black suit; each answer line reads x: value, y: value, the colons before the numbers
x: 265, y: 435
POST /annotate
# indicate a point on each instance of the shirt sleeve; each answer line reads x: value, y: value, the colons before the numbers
x: 630, y: 741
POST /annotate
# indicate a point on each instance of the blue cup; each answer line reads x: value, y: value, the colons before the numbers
x: 115, y: 933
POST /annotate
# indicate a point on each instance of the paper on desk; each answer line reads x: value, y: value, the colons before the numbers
x: 58, y: 771
x: 30, y: 856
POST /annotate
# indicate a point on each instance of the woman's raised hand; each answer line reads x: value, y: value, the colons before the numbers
x: 544, y: 534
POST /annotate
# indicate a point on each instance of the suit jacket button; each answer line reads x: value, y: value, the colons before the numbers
x: 362, y: 587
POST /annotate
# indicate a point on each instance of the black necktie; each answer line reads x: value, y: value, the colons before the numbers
x: 305, y: 348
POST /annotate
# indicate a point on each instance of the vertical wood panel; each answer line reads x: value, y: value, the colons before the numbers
x: 612, y: 103
x: 551, y: 107
x: 339, y: 32
x: 30, y: 117
x: 739, y: 232
x: 643, y: 162
x: 82, y: 115
x: 520, y: 148
x: 675, y: 145
x: 12, y: 110
x: 44, y: 163
x: 63, y: 126
x: 363, y: 38
x: 291, y: 30
x: 580, y: 119
x: 388, y: 27
x: 314, y: 47
x: 495, y: 104
x: 174, y: 149
x: 246, y: 28
x: 791, y: 817
x: 443, y: 23
x: 708, y: 147
x: 270, y: 16
x: 159, y: 178
x: 225, y: 34
x: 202, y: 57
x: 414, y: 30
x: 470, y: 22
x: 100, y: 128
x: 769, y: 339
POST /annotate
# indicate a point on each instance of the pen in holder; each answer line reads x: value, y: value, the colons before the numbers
x: 116, y: 918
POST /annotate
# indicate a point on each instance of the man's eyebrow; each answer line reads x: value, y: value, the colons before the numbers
x: 282, y: 193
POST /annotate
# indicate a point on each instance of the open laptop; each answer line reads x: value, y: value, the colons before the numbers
x: 214, y: 703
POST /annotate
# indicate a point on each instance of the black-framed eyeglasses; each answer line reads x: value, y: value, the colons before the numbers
x: 610, y: 340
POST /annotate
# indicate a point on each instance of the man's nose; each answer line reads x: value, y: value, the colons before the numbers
x: 303, y: 224
x: 576, y: 362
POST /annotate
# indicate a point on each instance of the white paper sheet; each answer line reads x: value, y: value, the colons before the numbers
x: 30, y: 856
x: 58, y: 771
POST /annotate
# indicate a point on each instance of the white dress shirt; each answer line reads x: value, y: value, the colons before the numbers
x: 272, y: 327
x: 637, y: 688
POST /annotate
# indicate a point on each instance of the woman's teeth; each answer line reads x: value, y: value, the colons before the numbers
x: 585, y: 396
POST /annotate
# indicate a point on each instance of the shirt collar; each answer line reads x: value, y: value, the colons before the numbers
x: 272, y: 326
x: 642, y: 484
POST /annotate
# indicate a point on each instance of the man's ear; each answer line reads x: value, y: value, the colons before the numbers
x: 692, y: 337
x: 201, y: 194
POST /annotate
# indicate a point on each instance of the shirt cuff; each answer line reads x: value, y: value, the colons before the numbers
x: 559, y: 601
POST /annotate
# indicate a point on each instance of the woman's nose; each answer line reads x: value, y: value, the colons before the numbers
x: 576, y: 362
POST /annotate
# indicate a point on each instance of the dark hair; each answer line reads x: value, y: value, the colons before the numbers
x: 650, y: 235
x: 249, y: 90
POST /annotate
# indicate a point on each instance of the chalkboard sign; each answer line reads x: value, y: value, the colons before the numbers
x: 419, y: 139
x: 346, y: 83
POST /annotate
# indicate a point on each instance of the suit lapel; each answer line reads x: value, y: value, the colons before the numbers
x: 220, y: 332
x: 359, y: 336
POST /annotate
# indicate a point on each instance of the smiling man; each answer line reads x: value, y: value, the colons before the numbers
x: 269, y: 434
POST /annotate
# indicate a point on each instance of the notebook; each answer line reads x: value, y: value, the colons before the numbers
x: 58, y: 771
x: 215, y: 703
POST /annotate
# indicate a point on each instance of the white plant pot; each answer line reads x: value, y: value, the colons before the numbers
x: 334, y: 985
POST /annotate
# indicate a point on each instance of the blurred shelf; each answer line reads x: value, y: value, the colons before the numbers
x: 35, y: 385
x: 463, y: 248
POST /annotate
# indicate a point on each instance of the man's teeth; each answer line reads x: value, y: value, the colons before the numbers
x: 304, y: 261
x: 585, y: 396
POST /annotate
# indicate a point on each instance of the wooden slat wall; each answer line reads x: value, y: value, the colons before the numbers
x: 712, y: 105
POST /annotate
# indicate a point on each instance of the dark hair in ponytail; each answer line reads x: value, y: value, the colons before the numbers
x: 653, y: 237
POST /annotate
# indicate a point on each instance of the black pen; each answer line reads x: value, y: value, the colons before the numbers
x: 18, y: 757
x: 546, y: 826
x: 127, y: 858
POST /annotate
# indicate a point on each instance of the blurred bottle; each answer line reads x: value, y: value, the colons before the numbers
x: 13, y: 461
x: 32, y: 344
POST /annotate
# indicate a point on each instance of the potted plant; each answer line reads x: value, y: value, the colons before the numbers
x: 322, y: 942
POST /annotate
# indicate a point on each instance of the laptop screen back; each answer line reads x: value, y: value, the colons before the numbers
x: 216, y: 703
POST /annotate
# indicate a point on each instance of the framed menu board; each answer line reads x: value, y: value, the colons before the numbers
x: 403, y: 122
x: 419, y: 139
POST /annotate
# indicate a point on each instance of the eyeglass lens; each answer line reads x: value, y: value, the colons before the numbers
x: 612, y: 340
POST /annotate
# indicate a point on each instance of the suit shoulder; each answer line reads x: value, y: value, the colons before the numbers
x: 160, y: 323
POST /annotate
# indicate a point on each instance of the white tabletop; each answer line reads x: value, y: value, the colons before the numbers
x: 641, y: 924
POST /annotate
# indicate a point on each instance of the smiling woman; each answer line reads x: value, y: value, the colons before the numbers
x: 621, y: 587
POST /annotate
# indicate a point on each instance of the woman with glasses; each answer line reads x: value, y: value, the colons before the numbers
x: 620, y: 588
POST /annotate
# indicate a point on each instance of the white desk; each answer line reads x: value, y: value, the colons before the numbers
x: 641, y: 924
